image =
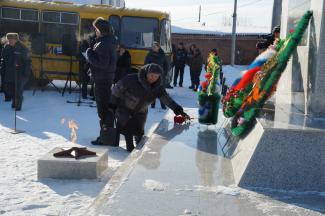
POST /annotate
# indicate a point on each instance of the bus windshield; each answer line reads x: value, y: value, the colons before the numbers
x: 138, y: 32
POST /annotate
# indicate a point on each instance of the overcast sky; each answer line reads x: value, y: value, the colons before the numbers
x: 215, y: 14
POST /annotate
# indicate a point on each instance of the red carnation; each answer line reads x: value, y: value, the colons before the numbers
x: 204, y: 84
x: 208, y: 76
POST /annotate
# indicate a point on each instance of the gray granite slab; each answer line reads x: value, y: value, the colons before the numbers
x: 70, y: 168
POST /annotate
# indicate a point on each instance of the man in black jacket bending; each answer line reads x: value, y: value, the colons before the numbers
x: 102, y: 59
x: 131, y: 97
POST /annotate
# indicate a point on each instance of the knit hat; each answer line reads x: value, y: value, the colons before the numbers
x: 154, y: 68
x: 14, y: 36
x: 102, y: 25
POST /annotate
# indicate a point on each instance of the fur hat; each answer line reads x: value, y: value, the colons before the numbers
x: 102, y: 25
x: 14, y: 36
x: 154, y: 68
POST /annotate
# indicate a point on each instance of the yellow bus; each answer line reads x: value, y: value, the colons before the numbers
x: 53, y: 30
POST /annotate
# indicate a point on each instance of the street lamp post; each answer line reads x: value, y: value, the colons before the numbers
x: 233, y: 41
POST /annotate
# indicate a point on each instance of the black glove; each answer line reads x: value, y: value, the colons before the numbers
x: 184, y: 114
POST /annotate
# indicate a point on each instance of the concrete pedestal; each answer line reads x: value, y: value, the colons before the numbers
x: 69, y: 168
x: 287, y: 155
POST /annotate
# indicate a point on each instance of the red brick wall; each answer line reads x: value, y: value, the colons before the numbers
x: 245, y: 46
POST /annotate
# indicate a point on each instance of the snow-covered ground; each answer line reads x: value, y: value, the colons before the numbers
x: 45, y: 117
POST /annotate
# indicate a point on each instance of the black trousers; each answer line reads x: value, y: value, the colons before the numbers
x: 102, y: 96
x: 196, y: 78
x: 161, y: 104
x: 129, y: 138
x: 179, y: 70
x: 192, y: 75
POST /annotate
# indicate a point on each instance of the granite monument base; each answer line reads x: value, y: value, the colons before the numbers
x: 90, y: 167
x: 287, y: 153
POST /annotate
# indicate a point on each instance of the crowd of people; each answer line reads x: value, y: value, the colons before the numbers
x: 122, y: 96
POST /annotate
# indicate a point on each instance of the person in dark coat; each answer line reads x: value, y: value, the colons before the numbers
x: 190, y: 56
x: 180, y: 61
x: 268, y: 39
x: 196, y: 64
x: 157, y: 56
x: 123, y: 66
x: 132, y: 95
x: 102, y: 60
x: 16, y: 67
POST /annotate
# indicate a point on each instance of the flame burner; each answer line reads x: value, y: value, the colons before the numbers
x: 74, y: 152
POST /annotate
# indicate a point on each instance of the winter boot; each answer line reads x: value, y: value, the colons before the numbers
x: 129, y: 142
x: 97, y: 142
x: 138, y: 139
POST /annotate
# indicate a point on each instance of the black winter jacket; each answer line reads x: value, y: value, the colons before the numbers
x: 159, y: 58
x: 15, y: 60
x: 196, y: 63
x: 133, y: 94
x: 181, y: 57
x: 102, y: 58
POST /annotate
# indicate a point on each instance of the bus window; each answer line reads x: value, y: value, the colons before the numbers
x: 56, y: 24
x: 10, y: 13
x: 22, y: 21
x: 165, y: 38
x: 138, y: 32
x: 87, y: 29
x: 29, y: 15
x: 116, y: 25
x: 69, y: 18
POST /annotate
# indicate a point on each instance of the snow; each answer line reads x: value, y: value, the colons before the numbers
x: 187, y: 212
x: 153, y: 185
x: 45, y: 117
x: 218, y: 190
x: 231, y: 73
x: 230, y: 190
